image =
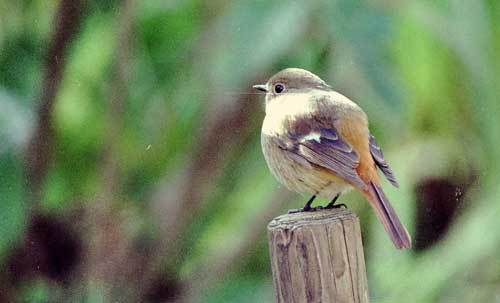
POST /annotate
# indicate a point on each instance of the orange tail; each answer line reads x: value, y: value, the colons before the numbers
x: 387, y: 215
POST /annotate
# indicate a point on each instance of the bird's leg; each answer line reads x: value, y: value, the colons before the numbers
x: 306, y: 207
x: 333, y: 205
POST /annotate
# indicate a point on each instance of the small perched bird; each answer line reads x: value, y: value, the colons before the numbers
x: 317, y: 141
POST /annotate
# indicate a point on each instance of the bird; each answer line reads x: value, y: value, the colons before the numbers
x: 317, y: 141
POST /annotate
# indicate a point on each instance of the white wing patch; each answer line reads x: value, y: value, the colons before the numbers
x: 316, y: 136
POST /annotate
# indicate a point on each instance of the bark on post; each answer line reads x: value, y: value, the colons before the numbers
x: 318, y: 257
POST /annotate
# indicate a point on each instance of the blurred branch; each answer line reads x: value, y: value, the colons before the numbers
x: 40, y: 148
x: 111, y: 255
x: 115, y: 105
x: 177, y: 202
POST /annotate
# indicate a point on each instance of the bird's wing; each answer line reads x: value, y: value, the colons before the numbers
x: 378, y: 157
x: 323, y: 147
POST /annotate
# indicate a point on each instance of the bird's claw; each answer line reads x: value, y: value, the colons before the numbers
x: 332, y: 206
x: 305, y: 209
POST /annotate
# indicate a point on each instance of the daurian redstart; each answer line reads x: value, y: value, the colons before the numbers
x: 317, y: 141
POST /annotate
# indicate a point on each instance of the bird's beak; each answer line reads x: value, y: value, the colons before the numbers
x: 261, y: 87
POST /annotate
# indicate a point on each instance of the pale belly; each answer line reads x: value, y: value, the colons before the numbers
x: 297, y: 174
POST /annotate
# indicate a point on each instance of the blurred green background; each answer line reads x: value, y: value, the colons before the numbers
x: 130, y: 161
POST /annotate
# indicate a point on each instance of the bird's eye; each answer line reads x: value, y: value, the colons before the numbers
x: 279, y: 88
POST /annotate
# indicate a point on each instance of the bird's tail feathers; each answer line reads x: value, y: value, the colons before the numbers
x: 387, y: 215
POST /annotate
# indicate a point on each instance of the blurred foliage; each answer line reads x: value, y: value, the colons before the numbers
x: 156, y: 170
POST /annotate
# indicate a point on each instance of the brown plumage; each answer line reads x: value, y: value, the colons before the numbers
x: 317, y: 141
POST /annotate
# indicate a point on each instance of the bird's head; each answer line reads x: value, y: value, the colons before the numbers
x: 291, y: 81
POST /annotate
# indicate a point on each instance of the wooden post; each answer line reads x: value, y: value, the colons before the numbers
x: 318, y: 257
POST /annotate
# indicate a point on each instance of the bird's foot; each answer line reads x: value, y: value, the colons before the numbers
x: 305, y: 209
x: 332, y: 206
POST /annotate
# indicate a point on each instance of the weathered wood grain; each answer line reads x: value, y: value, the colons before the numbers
x: 318, y: 257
